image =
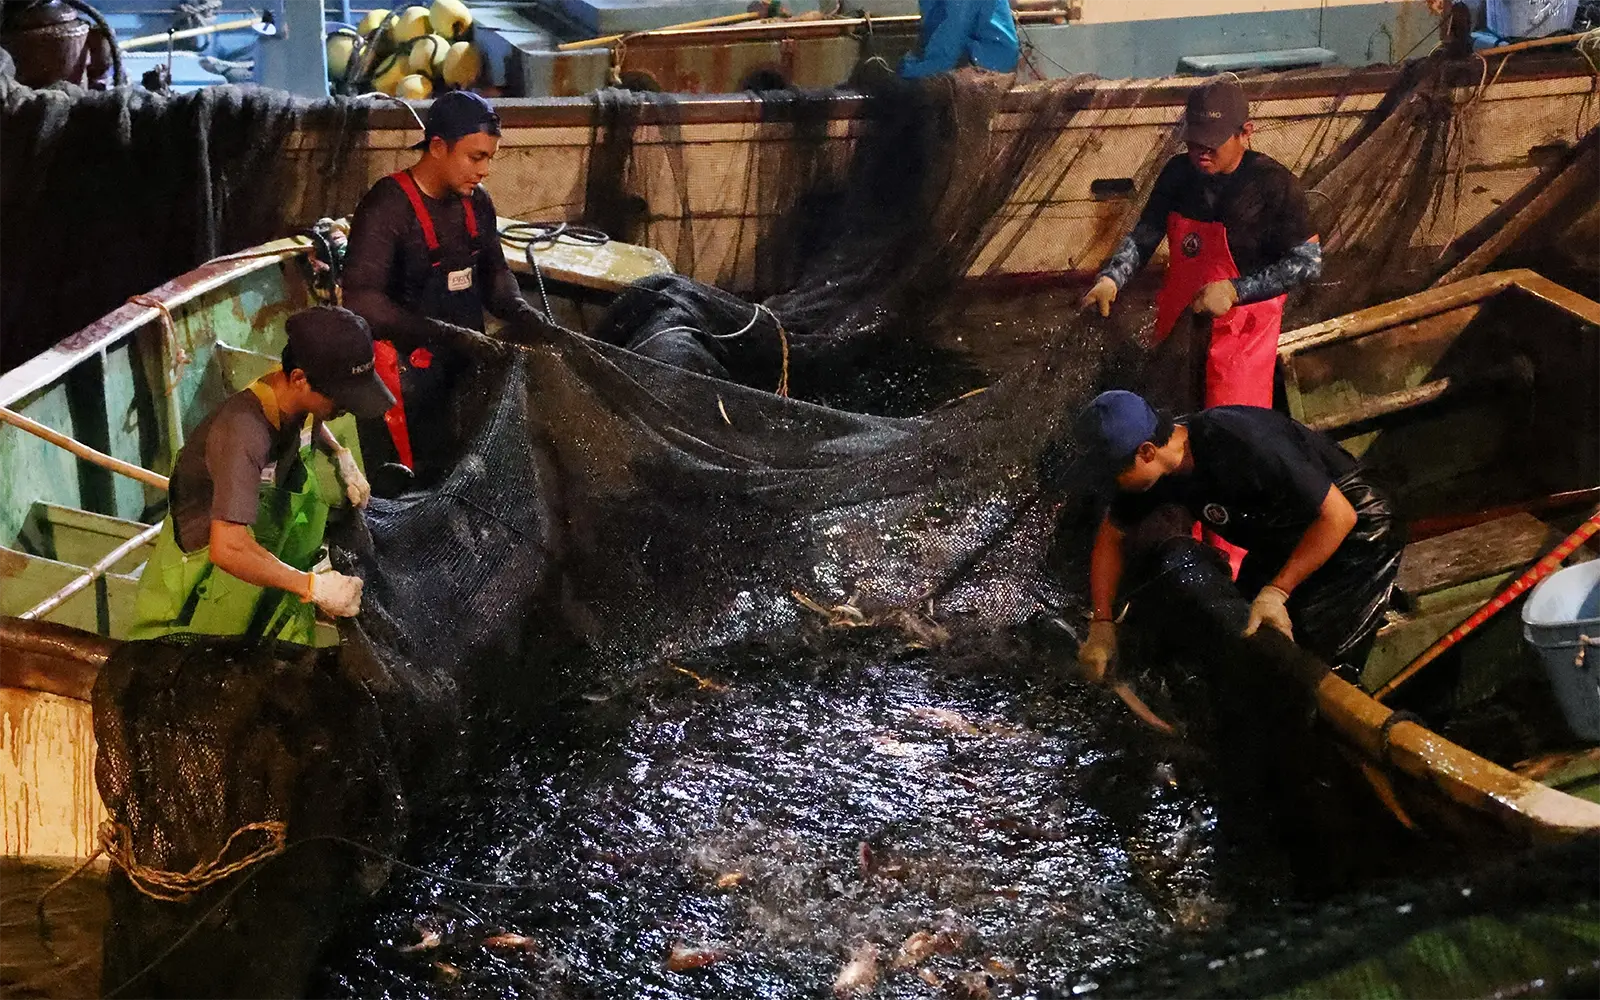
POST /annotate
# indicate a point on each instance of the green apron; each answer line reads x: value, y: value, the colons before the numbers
x: 183, y: 592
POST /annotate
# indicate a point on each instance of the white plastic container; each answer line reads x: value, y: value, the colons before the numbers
x: 1562, y: 620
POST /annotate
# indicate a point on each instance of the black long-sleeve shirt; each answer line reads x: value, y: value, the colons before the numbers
x: 388, y: 263
x: 1263, y: 208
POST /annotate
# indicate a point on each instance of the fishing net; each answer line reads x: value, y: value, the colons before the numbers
x: 108, y: 194
x: 612, y: 510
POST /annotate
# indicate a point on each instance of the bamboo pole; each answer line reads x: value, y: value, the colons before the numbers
x: 1533, y: 43
x: 92, y: 574
x: 82, y: 450
x: 145, y: 41
x: 710, y: 22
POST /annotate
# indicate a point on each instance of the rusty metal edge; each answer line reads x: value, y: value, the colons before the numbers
x: 51, y: 658
x: 52, y: 364
x: 694, y: 109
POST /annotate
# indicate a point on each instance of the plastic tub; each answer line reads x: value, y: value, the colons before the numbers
x: 1561, y: 618
x: 1531, y: 18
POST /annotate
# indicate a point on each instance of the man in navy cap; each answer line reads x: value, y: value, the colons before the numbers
x: 424, y: 249
x: 246, y: 510
x: 1239, y: 238
x: 1322, y: 542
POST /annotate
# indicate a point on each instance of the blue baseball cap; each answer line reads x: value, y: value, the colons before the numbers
x: 1113, y: 426
x: 459, y: 113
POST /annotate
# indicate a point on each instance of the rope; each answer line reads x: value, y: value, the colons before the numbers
x: 169, y: 333
x: 175, y: 887
x: 533, y: 236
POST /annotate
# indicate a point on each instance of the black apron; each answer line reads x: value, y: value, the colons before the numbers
x: 418, y: 428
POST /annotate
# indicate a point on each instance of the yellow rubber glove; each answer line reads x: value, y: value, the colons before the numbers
x: 1216, y: 298
x: 1100, y: 296
x: 1098, y: 651
x: 1269, y: 608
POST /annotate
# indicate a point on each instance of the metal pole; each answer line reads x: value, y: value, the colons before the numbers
x: 94, y: 573
x: 82, y: 450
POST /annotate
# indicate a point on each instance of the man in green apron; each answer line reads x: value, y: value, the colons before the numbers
x: 246, y: 517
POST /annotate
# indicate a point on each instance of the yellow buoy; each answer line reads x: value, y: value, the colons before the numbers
x: 450, y: 18
x: 462, y: 65
x: 340, y: 45
x: 414, y: 87
x: 370, y: 23
x: 389, y: 73
x: 427, y: 55
x: 412, y: 23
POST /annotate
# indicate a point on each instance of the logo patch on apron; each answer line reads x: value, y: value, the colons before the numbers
x: 1215, y: 513
x: 1191, y: 245
x: 459, y: 281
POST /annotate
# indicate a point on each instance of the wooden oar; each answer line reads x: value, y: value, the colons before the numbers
x: 1541, y: 569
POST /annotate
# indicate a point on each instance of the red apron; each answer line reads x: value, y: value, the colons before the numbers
x: 1244, y: 340
x: 386, y: 358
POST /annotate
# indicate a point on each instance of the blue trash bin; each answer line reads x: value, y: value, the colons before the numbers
x: 1561, y: 618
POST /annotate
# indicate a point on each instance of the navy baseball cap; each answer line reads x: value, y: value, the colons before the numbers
x: 459, y: 113
x: 333, y: 346
x: 1113, y: 426
x: 1215, y: 113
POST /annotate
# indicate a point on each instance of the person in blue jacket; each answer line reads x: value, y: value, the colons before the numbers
x: 958, y: 32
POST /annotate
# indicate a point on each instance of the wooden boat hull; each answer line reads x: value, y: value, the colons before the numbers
x: 51, y: 807
x: 702, y: 172
x: 1476, y: 403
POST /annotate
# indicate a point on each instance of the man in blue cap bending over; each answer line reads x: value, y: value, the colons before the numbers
x: 1323, y: 547
x: 980, y: 33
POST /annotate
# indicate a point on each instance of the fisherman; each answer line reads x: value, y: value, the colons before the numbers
x: 1239, y: 238
x: 425, y: 250
x: 245, y: 516
x: 1322, y: 542
x: 955, y: 33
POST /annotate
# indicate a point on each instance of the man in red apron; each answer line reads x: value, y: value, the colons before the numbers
x: 425, y: 251
x: 1239, y: 238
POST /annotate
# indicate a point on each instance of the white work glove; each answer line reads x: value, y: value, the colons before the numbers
x: 355, y: 482
x: 336, y: 594
x: 1098, y: 651
x: 1101, y: 295
x: 1216, y: 298
x: 1269, y: 609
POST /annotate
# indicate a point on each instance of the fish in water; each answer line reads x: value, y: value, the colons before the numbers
x: 916, y: 948
x: 860, y: 973
x: 510, y: 942
x: 730, y: 880
x: 944, y: 718
x: 682, y: 957
x: 431, y: 939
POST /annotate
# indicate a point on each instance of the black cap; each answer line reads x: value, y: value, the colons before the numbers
x: 1215, y: 113
x: 333, y: 346
x: 459, y: 113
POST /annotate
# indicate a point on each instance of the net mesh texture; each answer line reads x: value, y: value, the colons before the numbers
x: 611, y: 510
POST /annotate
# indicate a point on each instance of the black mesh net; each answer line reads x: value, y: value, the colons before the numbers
x: 108, y: 194
x: 612, y: 510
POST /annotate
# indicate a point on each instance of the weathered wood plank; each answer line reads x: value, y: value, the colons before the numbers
x: 1472, y: 553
